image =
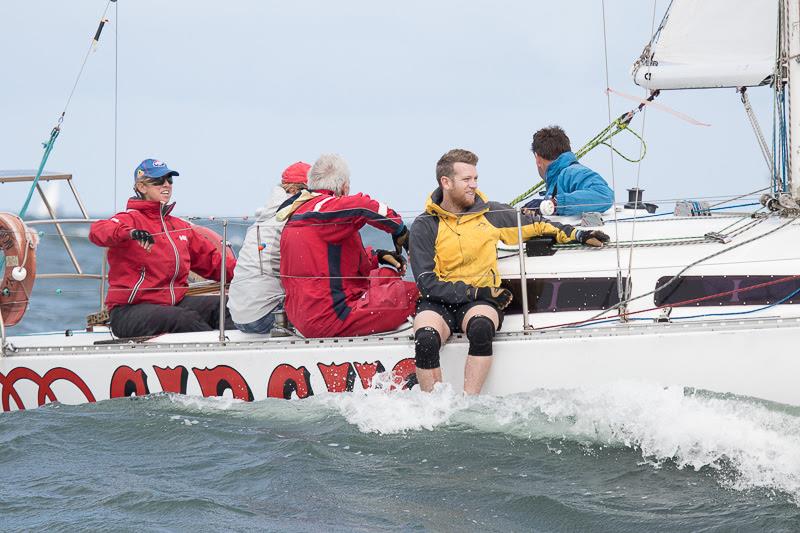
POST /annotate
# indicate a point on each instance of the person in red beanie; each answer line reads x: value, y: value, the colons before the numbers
x: 150, y: 254
x: 256, y: 293
x: 335, y: 287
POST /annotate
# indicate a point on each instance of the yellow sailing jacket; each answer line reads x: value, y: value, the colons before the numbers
x: 453, y: 253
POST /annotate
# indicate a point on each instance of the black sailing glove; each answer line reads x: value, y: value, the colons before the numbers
x: 142, y: 236
x: 386, y: 257
x: 401, y: 240
x: 593, y: 238
x: 498, y: 296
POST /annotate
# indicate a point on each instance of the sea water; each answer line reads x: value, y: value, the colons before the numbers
x: 626, y: 456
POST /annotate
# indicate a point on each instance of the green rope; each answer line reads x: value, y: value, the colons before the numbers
x: 48, y: 147
x: 602, y: 138
x: 526, y: 194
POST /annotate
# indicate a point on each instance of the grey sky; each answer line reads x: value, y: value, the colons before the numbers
x: 229, y: 93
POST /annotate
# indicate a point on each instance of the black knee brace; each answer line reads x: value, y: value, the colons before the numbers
x: 480, y: 332
x: 426, y: 348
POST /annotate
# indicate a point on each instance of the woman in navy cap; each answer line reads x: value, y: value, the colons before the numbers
x: 150, y: 254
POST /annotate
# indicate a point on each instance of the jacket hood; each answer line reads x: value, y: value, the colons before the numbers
x: 303, y: 197
x: 277, y: 198
x: 433, y: 205
x: 150, y: 207
x: 559, y: 163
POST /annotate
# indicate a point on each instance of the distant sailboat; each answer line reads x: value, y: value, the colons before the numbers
x: 52, y: 191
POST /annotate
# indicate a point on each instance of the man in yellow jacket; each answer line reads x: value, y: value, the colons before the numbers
x: 454, y: 259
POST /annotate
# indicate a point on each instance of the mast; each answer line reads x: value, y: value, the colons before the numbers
x: 792, y: 29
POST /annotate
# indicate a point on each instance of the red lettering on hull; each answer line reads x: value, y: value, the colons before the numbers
x: 172, y: 379
x: 366, y: 372
x: 44, y: 383
x: 286, y: 380
x: 338, y: 378
x: 405, y: 373
x: 215, y: 381
x: 127, y: 382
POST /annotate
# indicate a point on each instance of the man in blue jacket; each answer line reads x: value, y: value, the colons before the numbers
x: 571, y: 188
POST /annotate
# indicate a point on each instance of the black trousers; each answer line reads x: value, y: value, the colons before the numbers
x: 193, y: 313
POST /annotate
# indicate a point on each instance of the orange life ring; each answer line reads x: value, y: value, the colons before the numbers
x: 18, y: 245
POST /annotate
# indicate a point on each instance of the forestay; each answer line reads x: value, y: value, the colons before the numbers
x: 711, y: 43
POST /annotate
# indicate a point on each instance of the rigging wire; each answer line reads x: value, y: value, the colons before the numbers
x: 691, y: 265
x: 92, y: 46
x: 48, y: 146
x: 629, y: 279
x: 580, y: 323
x: 620, y: 290
x: 116, y: 100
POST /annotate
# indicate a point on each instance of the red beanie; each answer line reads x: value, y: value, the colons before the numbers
x: 296, y: 173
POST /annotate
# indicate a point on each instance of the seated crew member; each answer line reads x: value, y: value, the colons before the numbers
x: 570, y: 188
x: 150, y: 254
x: 454, y: 260
x: 334, y: 286
x: 256, y: 291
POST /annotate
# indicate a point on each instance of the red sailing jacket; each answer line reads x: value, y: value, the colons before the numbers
x: 324, y: 265
x: 159, y: 276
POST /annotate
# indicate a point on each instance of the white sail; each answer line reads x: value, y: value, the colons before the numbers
x: 711, y: 43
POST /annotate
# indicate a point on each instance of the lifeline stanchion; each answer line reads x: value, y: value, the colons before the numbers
x: 103, y: 278
x: 2, y: 335
x: 523, y: 278
x: 222, y: 280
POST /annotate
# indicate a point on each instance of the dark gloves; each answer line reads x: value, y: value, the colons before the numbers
x: 593, y: 238
x: 386, y: 257
x: 498, y: 296
x: 401, y: 240
x: 144, y: 237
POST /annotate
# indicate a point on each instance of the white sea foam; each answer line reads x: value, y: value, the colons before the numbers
x: 758, y: 445
x: 200, y: 403
x: 380, y: 410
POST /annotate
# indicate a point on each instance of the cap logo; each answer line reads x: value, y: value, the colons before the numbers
x: 157, y: 163
x: 140, y: 172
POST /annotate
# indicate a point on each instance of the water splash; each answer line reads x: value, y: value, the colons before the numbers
x: 751, y: 444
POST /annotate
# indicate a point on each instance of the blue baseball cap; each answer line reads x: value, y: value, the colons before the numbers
x: 152, y: 168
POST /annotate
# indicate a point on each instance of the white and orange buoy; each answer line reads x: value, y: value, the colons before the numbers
x: 18, y: 246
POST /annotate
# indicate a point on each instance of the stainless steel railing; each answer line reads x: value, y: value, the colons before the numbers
x: 523, y: 278
x: 28, y: 176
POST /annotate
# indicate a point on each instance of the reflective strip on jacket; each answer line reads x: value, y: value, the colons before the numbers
x: 324, y: 265
x: 159, y: 276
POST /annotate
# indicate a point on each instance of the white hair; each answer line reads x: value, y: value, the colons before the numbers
x: 330, y: 172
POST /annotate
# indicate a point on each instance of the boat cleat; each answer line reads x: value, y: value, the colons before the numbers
x: 718, y: 237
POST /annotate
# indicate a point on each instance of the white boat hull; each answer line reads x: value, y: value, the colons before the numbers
x: 709, y: 345
x: 750, y: 357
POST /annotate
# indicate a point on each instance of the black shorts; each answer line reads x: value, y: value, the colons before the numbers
x: 453, y: 314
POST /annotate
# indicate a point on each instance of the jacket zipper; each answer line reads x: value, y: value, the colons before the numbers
x: 136, y: 287
x: 177, y: 257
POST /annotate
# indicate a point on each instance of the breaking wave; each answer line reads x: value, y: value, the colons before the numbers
x: 748, y: 444
x: 751, y: 444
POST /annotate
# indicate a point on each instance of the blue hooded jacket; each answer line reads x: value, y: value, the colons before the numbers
x: 577, y: 188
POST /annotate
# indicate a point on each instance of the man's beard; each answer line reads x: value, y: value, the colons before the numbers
x: 464, y: 203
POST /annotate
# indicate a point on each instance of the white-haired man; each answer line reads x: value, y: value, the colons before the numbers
x: 334, y: 286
